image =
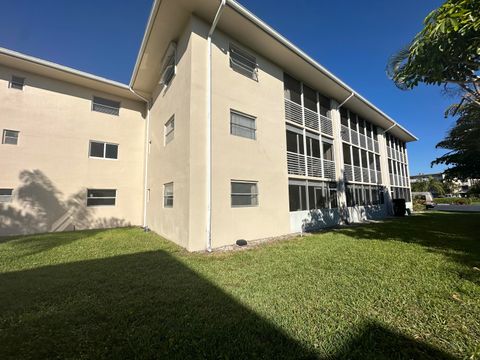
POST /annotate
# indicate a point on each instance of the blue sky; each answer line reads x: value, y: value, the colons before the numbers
x: 353, y: 39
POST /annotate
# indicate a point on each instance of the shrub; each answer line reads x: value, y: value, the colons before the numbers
x: 454, y: 201
x: 419, y: 205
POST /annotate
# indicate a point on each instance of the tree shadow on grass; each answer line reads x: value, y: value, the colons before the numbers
x: 376, y: 341
x: 454, y: 234
x: 150, y: 306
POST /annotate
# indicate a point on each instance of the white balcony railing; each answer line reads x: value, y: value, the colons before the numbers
x: 311, y: 119
x: 293, y: 112
x: 329, y: 169
x: 354, y: 137
x: 326, y: 125
x: 345, y: 133
x: 365, y: 176
x: 348, y: 174
x: 363, y: 142
x: 370, y: 144
x: 357, y: 173
x: 314, y: 166
x: 295, y: 163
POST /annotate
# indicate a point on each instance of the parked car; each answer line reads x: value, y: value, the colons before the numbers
x: 426, y: 197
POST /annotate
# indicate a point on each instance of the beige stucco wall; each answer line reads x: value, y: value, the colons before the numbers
x: 171, y: 162
x: 50, y: 169
x: 236, y: 158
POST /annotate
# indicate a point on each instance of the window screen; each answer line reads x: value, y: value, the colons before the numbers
x: 244, y: 193
x: 292, y: 89
x: 10, y: 137
x: 101, y: 197
x: 169, y: 130
x: 242, y: 125
x: 6, y: 195
x: 243, y: 62
x: 106, y: 106
x: 17, y: 82
x: 168, y: 195
x: 103, y: 150
x: 309, y: 98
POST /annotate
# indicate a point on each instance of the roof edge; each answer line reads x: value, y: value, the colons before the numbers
x: 276, y: 35
x: 62, y: 68
x: 146, y: 36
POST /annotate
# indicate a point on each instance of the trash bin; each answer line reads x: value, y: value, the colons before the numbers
x: 399, y: 207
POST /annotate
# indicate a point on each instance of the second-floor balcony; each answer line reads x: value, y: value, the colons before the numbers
x: 302, y: 165
x: 310, y: 119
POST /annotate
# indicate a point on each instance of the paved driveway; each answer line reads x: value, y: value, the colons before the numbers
x: 461, y: 208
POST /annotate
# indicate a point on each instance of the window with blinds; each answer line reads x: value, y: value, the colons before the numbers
x: 244, y: 193
x: 169, y: 130
x: 242, y: 125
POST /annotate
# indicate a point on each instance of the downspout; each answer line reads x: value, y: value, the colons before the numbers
x: 147, y: 146
x: 345, y: 101
x: 209, y: 126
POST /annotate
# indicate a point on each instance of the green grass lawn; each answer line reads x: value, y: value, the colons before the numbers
x: 402, y: 289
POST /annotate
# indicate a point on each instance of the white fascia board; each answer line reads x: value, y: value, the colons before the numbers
x: 62, y: 68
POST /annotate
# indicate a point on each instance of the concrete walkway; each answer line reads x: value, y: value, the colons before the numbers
x: 460, y: 208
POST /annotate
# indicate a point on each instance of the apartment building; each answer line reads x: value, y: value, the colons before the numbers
x: 226, y: 131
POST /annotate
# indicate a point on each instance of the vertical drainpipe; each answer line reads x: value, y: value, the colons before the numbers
x: 209, y: 126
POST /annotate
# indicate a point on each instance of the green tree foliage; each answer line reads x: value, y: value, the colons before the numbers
x: 474, y: 190
x: 463, y: 143
x: 447, y: 52
x: 432, y: 185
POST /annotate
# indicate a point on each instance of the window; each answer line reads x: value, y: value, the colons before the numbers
x: 101, y: 197
x: 169, y: 130
x: 361, y: 123
x: 324, y: 105
x: 347, y: 158
x: 371, y: 161
x: 344, y: 116
x: 309, y: 98
x: 103, y: 150
x: 313, y: 146
x: 294, y: 142
x: 332, y: 194
x: 364, y: 159
x: 17, y: 82
x: 377, y: 162
x: 6, y: 195
x: 242, y: 125
x: 10, y: 137
x: 106, y: 106
x: 353, y: 121
x: 327, y: 151
x: 292, y: 89
x: 242, y: 62
x: 356, y: 156
x: 244, y: 193
x: 317, y: 196
x: 297, y: 197
x: 168, y: 195
x: 169, y: 63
